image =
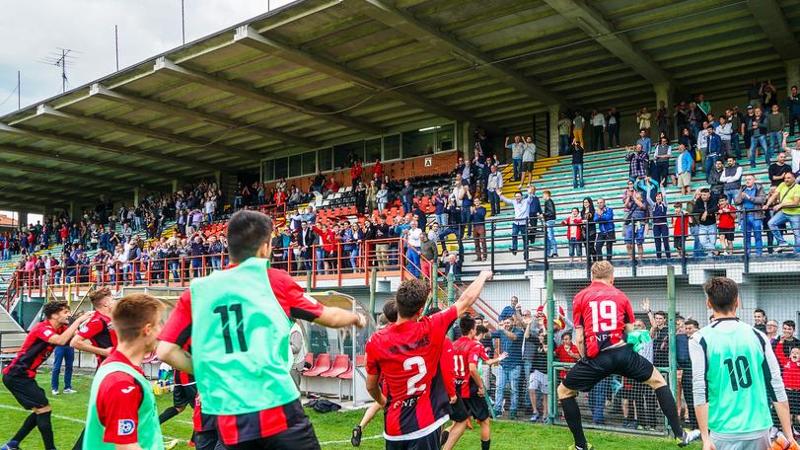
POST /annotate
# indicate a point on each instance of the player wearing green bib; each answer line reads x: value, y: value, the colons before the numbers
x: 239, y: 320
x: 122, y: 410
x: 734, y: 377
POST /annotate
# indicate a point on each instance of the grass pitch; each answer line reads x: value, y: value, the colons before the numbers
x: 333, y: 429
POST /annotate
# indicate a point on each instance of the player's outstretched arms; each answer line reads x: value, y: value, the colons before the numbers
x: 85, y: 345
x: 472, y: 292
x: 333, y: 317
x: 175, y: 356
x: 66, y: 336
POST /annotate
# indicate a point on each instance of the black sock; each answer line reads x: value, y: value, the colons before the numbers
x: 443, y: 438
x: 486, y: 444
x: 79, y: 443
x: 168, y: 413
x: 27, y: 426
x: 667, y: 403
x: 573, y: 417
x: 46, y: 430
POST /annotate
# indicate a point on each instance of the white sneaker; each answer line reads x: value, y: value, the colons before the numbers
x: 70, y: 391
x: 55, y: 392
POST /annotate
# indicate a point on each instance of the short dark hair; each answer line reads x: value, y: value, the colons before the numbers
x: 480, y: 329
x: 722, y: 293
x: 247, y: 232
x: 692, y: 322
x: 99, y: 294
x: 411, y: 297
x: 390, y: 310
x: 432, y: 310
x: 52, y: 308
x: 132, y: 313
x: 466, y: 324
x: 789, y: 323
x: 660, y: 313
x: 759, y: 310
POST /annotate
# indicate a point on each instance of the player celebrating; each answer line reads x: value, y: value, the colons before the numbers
x: 601, y: 314
x: 406, y: 357
x: 122, y: 407
x: 20, y: 376
x: 240, y: 342
x: 470, y: 388
x: 735, y: 375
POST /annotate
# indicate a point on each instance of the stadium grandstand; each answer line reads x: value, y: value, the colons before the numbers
x: 436, y: 140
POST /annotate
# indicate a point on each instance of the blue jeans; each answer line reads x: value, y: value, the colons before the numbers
x: 597, y: 401
x: 661, y: 236
x: 697, y: 246
x: 354, y: 257
x: 577, y: 175
x: 65, y: 354
x: 413, y: 265
x: 516, y: 230
x: 551, y: 246
x: 752, y: 226
x: 709, y: 164
x: 708, y: 237
x: 494, y: 201
x: 755, y: 142
x: 407, y: 207
x: 730, y: 194
x: 780, y: 218
x: 507, y: 375
x: 736, y: 148
x: 441, y: 219
x: 320, y: 259
x: 517, y: 169
x: 563, y: 143
x: 775, y: 140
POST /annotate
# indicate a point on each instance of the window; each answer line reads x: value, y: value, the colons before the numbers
x: 281, y: 168
x: 325, y: 159
x: 309, y: 163
x: 445, y: 138
x: 269, y: 170
x: 343, y: 154
x: 372, y: 150
x: 419, y: 142
x: 295, y: 166
x: 391, y: 147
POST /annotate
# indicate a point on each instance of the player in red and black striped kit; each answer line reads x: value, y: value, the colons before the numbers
x: 406, y: 357
x: 20, y: 376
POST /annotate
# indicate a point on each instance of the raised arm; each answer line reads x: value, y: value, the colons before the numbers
x: 472, y: 292
x: 333, y: 317
x: 66, y: 336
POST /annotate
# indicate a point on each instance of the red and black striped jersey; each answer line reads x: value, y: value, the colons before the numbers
x: 100, y: 332
x: 467, y: 351
x: 603, y: 311
x: 35, y: 350
x: 407, y: 357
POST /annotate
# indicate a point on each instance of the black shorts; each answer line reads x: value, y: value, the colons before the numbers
x: 477, y: 407
x: 794, y: 401
x: 587, y: 372
x: 727, y: 232
x: 300, y: 435
x: 459, y: 412
x: 207, y: 440
x: 183, y: 395
x: 429, y: 442
x: 527, y: 166
x: 26, y: 391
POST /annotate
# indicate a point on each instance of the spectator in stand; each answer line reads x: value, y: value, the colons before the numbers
x: 785, y: 204
x: 793, y: 109
x: 510, y: 368
x: 691, y: 326
x: 778, y: 169
x: 372, y: 197
x: 662, y: 119
x: 791, y: 380
x: 428, y: 253
x: 382, y: 198
x: 512, y: 310
x: 577, y: 164
x: 643, y: 119
x: 535, y: 354
x: 564, y: 125
x: 760, y: 320
x: 377, y: 171
x: 784, y: 345
x: 724, y: 130
x: 715, y: 181
x: 604, y: 217
x: 574, y: 234
x: 750, y: 199
x: 638, y: 162
x: 528, y: 160
x: 648, y: 187
x: 478, y: 221
x: 736, y: 119
x: 705, y: 214
x: 355, y: 172
x: 758, y: 137
x: 440, y: 206
x: 382, y: 248
x: 772, y: 331
x: 414, y: 241
x: 598, y: 128
x: 726, y: 224
x: 613, y: 122
x: 660, y: 227
x: 680, y: 228
x: 732, y: 179
x: 521, y: 211
x: 795, y: 152
x: 407, y: 196
x: 578, y: 124
x: 360, y: 190
x: 331, y: 187
x: 638, y: 213
x: 451, y: 264
x: 323, y: 249
x: 494, y: 188
x: 549, y: 216
x: 304, y: 243
x: 683, y: 168
x: 775, y: 123
x: 590, y: 228
x: 662, y: 155
x: 534, y: 213
x: 713, y: 149
x: 517, y: 149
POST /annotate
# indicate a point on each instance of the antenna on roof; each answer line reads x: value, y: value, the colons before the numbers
x: 63, y: 58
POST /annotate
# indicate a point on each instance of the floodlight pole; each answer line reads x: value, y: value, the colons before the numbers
x: 183, y: 22
x: 19, y: 90
x: 116, y: 45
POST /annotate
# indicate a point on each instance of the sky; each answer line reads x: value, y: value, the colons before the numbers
x: 34, y: 30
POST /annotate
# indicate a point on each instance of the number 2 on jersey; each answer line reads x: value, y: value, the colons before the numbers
x: 604, y: 315
x: 422, y: 370
x: 236, y: 308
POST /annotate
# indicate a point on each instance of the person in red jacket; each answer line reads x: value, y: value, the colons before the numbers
x: 726, y: 224
x: 791, y: 380
x: 355, y: 173
x: 377, y: 171
x: 680, y: 228
x: 566, y: 352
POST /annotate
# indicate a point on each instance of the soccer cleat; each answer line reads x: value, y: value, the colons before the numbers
x: 10, y: 445
x: 355, y: 439
x: 169, y: 445
x: 688, y: 437
x: 70, y: 391
x: 575, y: 447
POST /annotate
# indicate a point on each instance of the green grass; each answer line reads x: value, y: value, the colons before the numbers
x: 333, y: 429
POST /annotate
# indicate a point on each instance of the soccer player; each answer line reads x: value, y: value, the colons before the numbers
x: 602, y: 314
x: 20, y: 376
x: 406, y: 356
x: 122, y: 411
x: 240, y: 342
x: 735, y: 375
x: 97, y: 336
x: 469, y: 386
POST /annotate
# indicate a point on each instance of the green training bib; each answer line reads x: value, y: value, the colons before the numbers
x: 240, y: 341
x: 149, y: 432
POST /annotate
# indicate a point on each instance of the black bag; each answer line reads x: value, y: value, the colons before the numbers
x: 323, y: 406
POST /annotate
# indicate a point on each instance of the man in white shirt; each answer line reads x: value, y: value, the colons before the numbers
x: 414, y: 240
x: 598, y: 128
x: 724, y: 130
x: 522, y: 208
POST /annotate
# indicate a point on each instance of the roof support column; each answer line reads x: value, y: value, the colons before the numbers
x: 664, y: 93
x: 217, y: 176
x: 466, y: 141
x: 22, y: 217
x: 553, y: 114
x: 792, y: 73
x: 136, y: 196
x: 174, y: 185
x: 72, y: 210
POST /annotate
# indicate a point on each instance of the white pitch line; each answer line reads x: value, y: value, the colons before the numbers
x: 347, y: 441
